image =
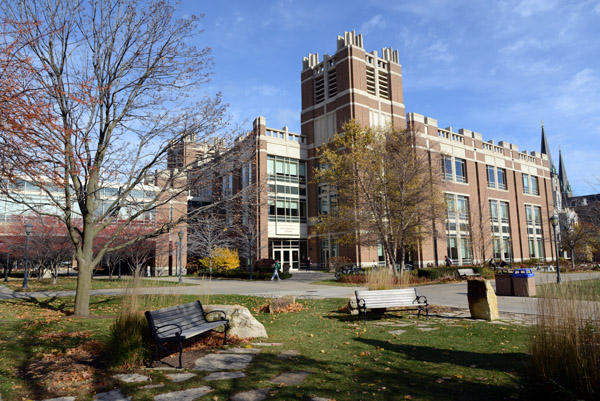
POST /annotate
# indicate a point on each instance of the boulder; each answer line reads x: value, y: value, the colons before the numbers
x: 483, y: 303
x: 281, y: 303
x: 352, y: 306
x: 241, y: 321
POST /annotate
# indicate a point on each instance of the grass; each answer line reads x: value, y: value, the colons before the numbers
x: 70, y: 284
x: 46, y: 352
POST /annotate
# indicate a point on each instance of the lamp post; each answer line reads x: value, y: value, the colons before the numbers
x: 180, y: 234
x: 250, y: 253
x: 28, y: 228
x: 435, y: 254
x: 176, y: 258
x: 554, y: 222
x: 7, y: 264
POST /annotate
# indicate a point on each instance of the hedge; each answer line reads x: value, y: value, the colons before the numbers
x: 445, y: 272
x: 242, y: 274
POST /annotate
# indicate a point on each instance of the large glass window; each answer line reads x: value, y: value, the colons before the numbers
x: 454, y: 169
x: 496, y: 177
x: 491, y: 176
x: 458, y: 229
x: 526, y: 183
x: 500, y: 219
x: 533, y: 219
x: 534, y: 186
x: 460, y: 170
x: 501, y: 178
x: 447, y: 168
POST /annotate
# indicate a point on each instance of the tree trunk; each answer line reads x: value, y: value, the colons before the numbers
x: 84, y: 285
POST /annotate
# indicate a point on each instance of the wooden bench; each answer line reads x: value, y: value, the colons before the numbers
x: 181, y: 322
x: 464, y: 273
x: 380, y: 299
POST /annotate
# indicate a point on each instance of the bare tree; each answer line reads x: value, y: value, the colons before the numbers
x: 120, y: 81
x: 209, y: 231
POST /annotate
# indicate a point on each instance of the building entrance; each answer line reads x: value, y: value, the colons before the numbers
x: 290, y: 257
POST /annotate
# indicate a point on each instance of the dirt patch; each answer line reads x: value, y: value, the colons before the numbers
x: 194, y: 349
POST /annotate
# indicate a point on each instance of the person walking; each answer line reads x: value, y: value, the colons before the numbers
x: 448, y: 261
x: 276, y: 272
x: 307, y: 262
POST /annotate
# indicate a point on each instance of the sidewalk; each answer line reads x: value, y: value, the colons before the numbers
x: 452, y: 295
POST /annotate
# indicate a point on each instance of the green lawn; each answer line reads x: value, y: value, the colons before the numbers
x: 461, y: 359
x: 70, y: 284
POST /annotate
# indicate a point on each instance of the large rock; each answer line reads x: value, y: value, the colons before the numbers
x: 281, y: 303
x: 483, y: 303
x: 241, y: 321
x: 352, y: 306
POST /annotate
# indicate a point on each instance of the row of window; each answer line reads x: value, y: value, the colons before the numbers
x: 287, y: 210
x: 454, y: 169
x: 459, y: 244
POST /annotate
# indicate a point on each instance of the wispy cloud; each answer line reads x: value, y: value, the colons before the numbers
x: 265, y: 90
x: 523, y: 45
x: 375, y: 22
x: 527, y: 8
x: 580, y: 93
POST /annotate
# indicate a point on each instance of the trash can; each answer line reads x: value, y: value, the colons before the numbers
x: 524, y: 282
x: 504, y: 282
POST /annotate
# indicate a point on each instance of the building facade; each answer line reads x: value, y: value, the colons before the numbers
x: 499, y: 199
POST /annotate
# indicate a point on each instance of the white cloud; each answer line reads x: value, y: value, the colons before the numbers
x: 438, y: 51
x: 580, y: 94
x: 523, y: 45
x: 526, y: 8
x: 265, y: 90
x: 376, y: 22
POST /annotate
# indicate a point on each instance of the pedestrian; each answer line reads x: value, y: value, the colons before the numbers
x: 448, y: 261
x: 307, y: 262
x: 276, y: 271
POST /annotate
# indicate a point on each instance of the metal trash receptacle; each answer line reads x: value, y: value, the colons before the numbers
x: 504, y: 282
x: 523, y: 283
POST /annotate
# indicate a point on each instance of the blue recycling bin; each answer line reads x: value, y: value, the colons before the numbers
x: 523, y: 283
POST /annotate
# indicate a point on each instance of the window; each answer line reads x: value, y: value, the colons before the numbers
x: 458, y: 229
x: 534, y: 186
x: 491, y: 176
x: 447, y: 168
x: 500, y: 219
x: 461, y: 172
x: 533, y: 219
x: 501, y: 178
x: 496, y: 177
x: 525, y: 183
x: 454, y: 169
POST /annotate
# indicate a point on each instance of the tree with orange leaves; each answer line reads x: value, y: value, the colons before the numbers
x: 103, y: 93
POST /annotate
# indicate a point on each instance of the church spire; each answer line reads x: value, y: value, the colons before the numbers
x: 562, y: 176
x: 546, y: 150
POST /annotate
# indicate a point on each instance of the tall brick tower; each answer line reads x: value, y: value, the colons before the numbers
x: 351, y: 84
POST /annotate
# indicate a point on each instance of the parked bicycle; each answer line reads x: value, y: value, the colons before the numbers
x: 348, y: 270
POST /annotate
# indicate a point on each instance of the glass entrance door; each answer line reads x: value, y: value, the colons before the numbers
x: 289, y: 257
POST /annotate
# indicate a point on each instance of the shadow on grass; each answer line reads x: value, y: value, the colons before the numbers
x: 332, y: 379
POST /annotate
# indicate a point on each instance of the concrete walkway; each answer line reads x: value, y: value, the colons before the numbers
x: 451, y: 295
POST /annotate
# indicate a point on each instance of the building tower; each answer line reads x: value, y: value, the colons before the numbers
x: 351, y: 84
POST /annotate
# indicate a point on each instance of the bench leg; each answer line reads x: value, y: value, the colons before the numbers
x: 225, y: 338
x: 180, y: 352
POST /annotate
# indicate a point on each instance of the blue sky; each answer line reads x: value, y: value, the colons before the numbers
x: 495, y: 67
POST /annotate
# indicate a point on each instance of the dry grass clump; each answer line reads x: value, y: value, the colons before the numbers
x: 384, y: 279
x: 565, y: 343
